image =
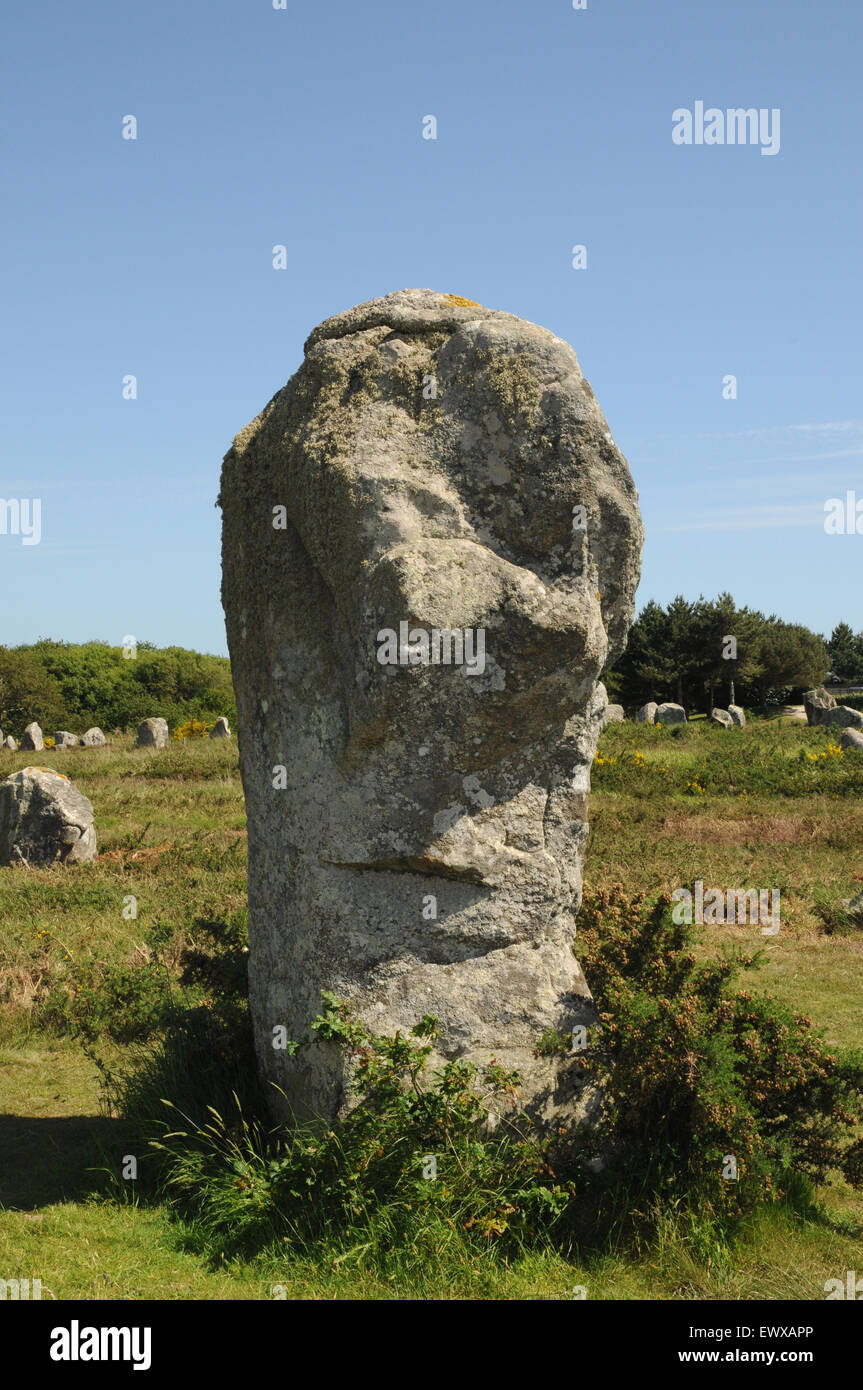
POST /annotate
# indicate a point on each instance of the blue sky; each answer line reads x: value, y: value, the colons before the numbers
x: 303, y: 127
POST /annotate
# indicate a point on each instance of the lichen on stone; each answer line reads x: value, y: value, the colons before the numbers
x: 406, y: 781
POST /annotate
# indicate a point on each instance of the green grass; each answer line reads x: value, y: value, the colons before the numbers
x: 171, y: 828
x: 660, y: 837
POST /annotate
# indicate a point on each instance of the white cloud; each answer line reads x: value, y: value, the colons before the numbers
x: 831, y: 426
x: 783, y: 514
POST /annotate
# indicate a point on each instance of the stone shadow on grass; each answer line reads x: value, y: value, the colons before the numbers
x: 54, y: 1158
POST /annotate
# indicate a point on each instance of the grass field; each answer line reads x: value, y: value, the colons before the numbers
x: 773, y: 806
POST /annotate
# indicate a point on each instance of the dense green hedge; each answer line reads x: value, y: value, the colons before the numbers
x: 74, y: 685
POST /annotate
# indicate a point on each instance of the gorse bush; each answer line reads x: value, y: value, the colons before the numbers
x: 191, y: 728
x: 708, y: 1101
x: 701, y: 1079
x: 135, y: 1000
x: 411, y: 1166
x: 688, y: 1067
x: 126, y: 1003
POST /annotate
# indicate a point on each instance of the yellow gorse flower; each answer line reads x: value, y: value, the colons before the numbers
x: 193, y: 728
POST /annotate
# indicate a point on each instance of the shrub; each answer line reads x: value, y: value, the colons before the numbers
x: 192, y: 728
x: 124, y: 1002
x: 696, y: 1071
x: 834, y: 918
x: 688, y: 1070
x: 412, y: 1164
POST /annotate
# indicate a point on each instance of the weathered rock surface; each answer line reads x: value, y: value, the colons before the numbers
x: 721, y: 717
x: 44, y: 819
x: 854, y: 907
x: 32, y: 739
x: 417, y: 826
x: 669, y: 714
x: 647, y: 713
x: 816, y: 703
x: 851, y: 738
x: 10, y: 743
x: 842, y: 717
x: 613, y: 714
x: 220, y: 729
x: 738, y: 716
x: 94, y: 738
x: 152, y: 733
x: 63, y: 739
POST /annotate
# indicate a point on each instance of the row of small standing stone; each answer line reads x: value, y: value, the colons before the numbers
x: 32, y: 739
x: 152, y: 733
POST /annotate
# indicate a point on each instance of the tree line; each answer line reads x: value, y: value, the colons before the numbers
x: 75, y: 685
x: 699, y: 653
x: 710, y: 652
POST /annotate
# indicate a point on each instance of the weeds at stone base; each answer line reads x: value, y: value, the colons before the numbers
x: 694, y: 1070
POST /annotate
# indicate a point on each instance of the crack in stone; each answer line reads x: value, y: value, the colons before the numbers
x: 413, y: 864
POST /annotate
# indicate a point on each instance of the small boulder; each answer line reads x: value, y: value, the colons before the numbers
x: 43, y: 819
x: 851, y: 738
x: 63, y: 739
x: 816, y: 703
x: 220, y: 729
x: 153, y: 733
x: 647, y: 713
x: 613, y: 714
x: 32, y: 738
x: 843, y: 717
x: 669, y: 714
x: 721, y: 717
x: 737, y: 716
x: 10, y: 743
x: 854, y: 907
x: 94, y: 738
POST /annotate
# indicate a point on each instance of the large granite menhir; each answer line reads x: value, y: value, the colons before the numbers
x: 436, y: 481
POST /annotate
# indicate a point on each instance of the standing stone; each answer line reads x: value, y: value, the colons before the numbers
x: 737, y: 716
x: 10, y: 743
x: 842, y: 717
x: 220, y: 728
x: 153, y: 733
x: 94, y: 738
x: 44, y: 819
x: 851, y: 738
x: 669, y: 714
x: 63, y: 739
x: 816, y: 703
x: 613, y: 715
x: 721, y: 717
x: 32, y: 739
x: 647, y: 713
x: 416, y: 634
